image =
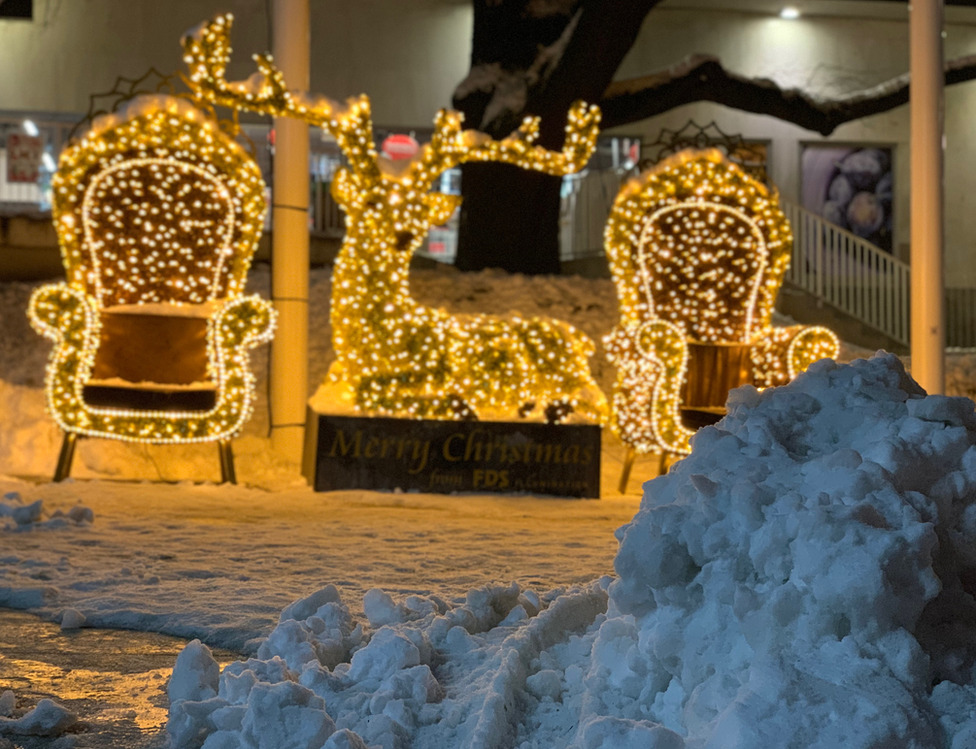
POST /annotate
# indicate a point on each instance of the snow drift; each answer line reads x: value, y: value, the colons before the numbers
x: 804, y: 578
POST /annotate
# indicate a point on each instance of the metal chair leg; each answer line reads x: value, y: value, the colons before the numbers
x: 625, y: 474
x: 66, y: 456
x: 227, y: 473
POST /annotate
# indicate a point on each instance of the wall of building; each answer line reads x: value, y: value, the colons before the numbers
x: 407, y: 55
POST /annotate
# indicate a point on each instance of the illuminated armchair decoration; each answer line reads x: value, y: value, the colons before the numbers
x: 158, y: 213
x: 698, y: 250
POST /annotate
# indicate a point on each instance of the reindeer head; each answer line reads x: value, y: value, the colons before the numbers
x: 391, y: 202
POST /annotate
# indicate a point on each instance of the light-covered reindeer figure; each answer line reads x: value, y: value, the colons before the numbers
x: 394, y: 355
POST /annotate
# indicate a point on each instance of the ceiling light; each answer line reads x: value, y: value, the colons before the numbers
x: 30, y: 128
x: 790, y: 13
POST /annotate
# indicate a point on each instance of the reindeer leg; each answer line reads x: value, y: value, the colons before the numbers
x: 558, y: 410
x: 394, y: 395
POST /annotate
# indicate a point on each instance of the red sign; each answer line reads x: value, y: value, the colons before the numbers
x: 24, y: 153
x: 399, y: 146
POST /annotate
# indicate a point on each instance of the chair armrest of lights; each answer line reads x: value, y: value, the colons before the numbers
x: 59, y: 312
x: 786, y: 352
x: 245, y: 321
x: 650, y: 358
x: 655, y: 341
x: 811, y: 344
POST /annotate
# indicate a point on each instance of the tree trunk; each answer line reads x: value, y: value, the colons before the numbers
x: 531, y: 57
x: 509, y: 219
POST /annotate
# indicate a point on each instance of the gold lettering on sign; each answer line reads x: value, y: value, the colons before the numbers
x: 415, y: 453
x: 439, y: 478
x: 344, y: 447
x: 448, y: 454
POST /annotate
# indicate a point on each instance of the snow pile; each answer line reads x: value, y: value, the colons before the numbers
x: 72, y: 619
x: 803, y: 578
x: 17, y: 515
x: 48, y: 718
x: 427, y: 674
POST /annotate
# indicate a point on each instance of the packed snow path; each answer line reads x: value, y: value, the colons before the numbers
x: 221, y: 562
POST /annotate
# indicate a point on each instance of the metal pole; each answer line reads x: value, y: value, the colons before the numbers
x: 927, y: 234
x: 289, y: 240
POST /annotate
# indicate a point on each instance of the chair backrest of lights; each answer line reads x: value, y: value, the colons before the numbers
x: 698, y: 242
x: 161, y: 206
x: 701, y: 266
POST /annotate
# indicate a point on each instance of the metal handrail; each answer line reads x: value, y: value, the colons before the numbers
x: 586, y: 202
x: 849, y: 273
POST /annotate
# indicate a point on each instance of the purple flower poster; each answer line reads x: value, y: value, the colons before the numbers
x: 850, y: 187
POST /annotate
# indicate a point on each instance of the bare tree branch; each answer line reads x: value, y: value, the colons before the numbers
x: 703, y: 78
x: 538, y: 56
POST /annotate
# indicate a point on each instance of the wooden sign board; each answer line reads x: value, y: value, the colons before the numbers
x: 448, y: 457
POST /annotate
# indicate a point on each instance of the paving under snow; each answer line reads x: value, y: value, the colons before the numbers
x: 804, y: 579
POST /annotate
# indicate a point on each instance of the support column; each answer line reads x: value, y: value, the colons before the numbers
x: 927, y: 209
x: 289, y: 239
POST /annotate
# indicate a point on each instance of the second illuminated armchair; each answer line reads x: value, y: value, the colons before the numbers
x: 158, y: 212
x: 697, y: 249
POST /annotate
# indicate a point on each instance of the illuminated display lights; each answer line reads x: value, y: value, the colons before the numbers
x: 715, y: 236
x: 395, y: 356
x: 698, y: 251
x: 146, y: 235
x: 158, y: 212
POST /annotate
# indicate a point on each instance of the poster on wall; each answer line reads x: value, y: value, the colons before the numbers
x: 850, y: 187
x: 24, y: 154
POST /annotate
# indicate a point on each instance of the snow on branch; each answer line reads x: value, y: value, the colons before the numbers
x: 703, y: 78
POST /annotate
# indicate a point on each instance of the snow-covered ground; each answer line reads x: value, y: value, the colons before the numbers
x: 803, y: 579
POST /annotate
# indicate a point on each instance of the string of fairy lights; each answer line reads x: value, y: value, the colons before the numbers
x: 154, y: 205
x: 698, y: 250
x: 395, y: 356
x: 172, y: 214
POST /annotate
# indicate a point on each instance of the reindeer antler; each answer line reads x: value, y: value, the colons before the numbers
x: 207, y: 52
x: 450, y: 146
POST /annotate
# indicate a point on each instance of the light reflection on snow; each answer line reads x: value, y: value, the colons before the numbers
x: 105, y: 676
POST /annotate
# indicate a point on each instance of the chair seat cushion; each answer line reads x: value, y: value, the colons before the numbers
x: 713, y: 370
x: 152, y: 357
x: 159, y: 343
x: 116, y: 393
x: 696, y: 418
